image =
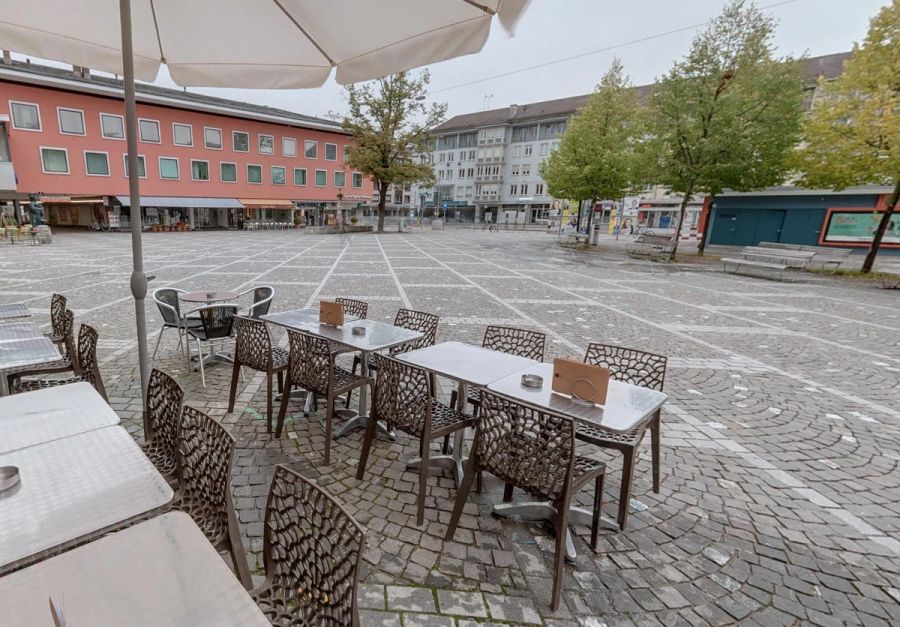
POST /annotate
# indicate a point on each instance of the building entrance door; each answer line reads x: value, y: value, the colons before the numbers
x: 770, y: 225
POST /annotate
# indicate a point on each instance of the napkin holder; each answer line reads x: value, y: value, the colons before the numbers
x: 331, y: 313
x: 585, y: 383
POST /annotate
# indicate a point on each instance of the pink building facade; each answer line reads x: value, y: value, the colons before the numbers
x: 204, y: 162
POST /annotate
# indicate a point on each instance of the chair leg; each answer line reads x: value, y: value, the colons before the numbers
x: 200, y: 358
x: 507, y: 493
x: 158, y: 340
x: 269, y: 402
x: 280, y: 381
x: 453, y: 395
x: 367, y: 444
x: 234, y: 380
x: 445, y: 447
x: 625, y: 493
x: 598, y: 511
x: 562, y: 529
x: 236, y: 547
x: 282, y: 411
x: 329, y: 413
x: 462, y: 495
x: 357, y: 361
x: 423, y: 481
x: 654, y: 449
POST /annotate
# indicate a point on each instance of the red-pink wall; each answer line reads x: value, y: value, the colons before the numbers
x: 25, y: 148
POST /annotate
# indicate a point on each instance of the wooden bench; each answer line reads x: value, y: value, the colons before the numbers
x: 789, y: 258
x: 738, y: 264
x: 654, y: 247
x: 824, y: 255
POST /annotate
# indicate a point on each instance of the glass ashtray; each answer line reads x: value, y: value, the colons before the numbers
x: 9, y: 477
x: 532, y: 380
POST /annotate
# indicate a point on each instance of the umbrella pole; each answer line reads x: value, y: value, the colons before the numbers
x: 138, y: 278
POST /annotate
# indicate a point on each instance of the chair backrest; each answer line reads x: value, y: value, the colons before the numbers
x: 68, y: 334
x: 311, y: 551
x: 357, y: 308
x: 167, y: 301
x: 514, y: 341
x: 253, y: 346
x: 532, y: 449
x: 205, y: 450
x: 262, y: 300
x: 57, y: 313
x: 424, y: 323
x: 87, y: 358
x: 217, y: 320
x: 629, y: 365
x: 309, y: 363
x: 163, y: 411
x: 402, y: 394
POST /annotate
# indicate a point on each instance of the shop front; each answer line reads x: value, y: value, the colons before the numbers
x: 170, y: 213
x: 266, y: 212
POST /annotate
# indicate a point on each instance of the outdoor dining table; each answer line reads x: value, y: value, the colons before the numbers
x: 159, y: 572
x: 14, y: 310
x: 73, y: 490
x: 50, y: 414
x: 377, y: 336
x: 468, y: 365
x: 23, y: 344
x: 625, y: 406
x: 209, y: 296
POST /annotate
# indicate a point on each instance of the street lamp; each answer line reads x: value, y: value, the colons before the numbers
x: 340, y: 211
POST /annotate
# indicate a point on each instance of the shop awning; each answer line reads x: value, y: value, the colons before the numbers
x: 266, y: 203
x: 183, y: 202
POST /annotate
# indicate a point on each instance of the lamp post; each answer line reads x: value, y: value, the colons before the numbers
x: 340, y: 210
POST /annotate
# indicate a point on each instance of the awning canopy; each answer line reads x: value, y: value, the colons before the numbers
x: 266, y: 203
x: 182, y: 202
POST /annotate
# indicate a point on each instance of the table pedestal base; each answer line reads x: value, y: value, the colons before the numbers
x: 356, y: 421
x: 450, y: 462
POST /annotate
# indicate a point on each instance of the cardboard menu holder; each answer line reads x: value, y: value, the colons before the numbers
x: 583, y: 382
x: 331, y: 313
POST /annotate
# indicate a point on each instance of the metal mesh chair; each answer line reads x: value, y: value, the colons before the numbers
x: 58, y: 304
x: 262, y: 300
x: 253, y: 349
x: 312, y: 367
x: 162, y: 413
x: 169, y: 304
x: 216, y: 326
x: 68, y: 362
x: 404, y: 398
x: 357, y: 308
x: 87, y: 360
x: 534, y: 450
x: 205, y: 450
x: 637, y: 368
x: 311, y: 551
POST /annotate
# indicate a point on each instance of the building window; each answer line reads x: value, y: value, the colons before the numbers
x: 266, y: 144
x: 288, y: 146
x: 228, y: 172
x: 96, y: 163
x: 182, y: 134
x: 321, y: 178
x: 462, y: 173
x: 199, y: 170
x: 528, y: 150
x: 254, y: 174
x: 330, y: 152
x: 470, y: 173
x: 71, y: 121
x: 356, y: 179
x: 526, y: 169
x: 443, y: 157
x: 55, y: 160
x: 277, y: 175
x: 25, y: 116
x: 514, y: 171
x: 112, y: 126
x: 240, y: 141
x: 142, y: 166
x: 471, y: 155
x: 513, y: 190
x: 346, y: 150
x: 168, y: 168
x: 539, y: 189
x: 517, y: 151
x: 300, y: 176
x: 212, y: 138
x: 524, y: 189
x: 149, y: 131
x: 310, y: 149
x: 340, y: 178
x: 543, y: 149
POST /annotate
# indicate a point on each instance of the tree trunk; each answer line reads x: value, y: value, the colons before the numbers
x: 590, y: 219
x: 705, y: 226
x: 684, y: 202
x: 382, y: 200
x: 882, y: 227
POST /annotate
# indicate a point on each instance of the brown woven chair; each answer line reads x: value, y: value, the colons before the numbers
x: 162, y: 414
x: 205, y: 451
x: 253, y: 349
x: 357, y: 308
x: 311, y: 550
x: 58, y: 309
x: 312, y: 367
x: 535, y: 451
x: 638, y: 368
x: 68, y: 362
x: 86, y: 353
x: 404, y: 398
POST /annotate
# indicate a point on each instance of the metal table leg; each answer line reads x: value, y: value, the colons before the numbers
x: 455, y: 461
x: 359, y: 419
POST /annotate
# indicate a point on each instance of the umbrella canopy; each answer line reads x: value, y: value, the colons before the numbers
x: 256, y: 44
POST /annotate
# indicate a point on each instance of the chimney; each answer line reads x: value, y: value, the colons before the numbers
x: 513, y: 110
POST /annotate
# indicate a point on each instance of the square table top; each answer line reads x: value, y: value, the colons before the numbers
x: 50, y: 414
x: 626, y: 405
x: 19, y: 330
x: 26, y: 352
x: 14, y: 310
x: 475, y: 365
x: 160, y: 572
x: 74, y: 489
x: 378, y: 335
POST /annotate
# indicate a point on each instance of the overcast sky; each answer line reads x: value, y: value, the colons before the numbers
x: 556, y: 29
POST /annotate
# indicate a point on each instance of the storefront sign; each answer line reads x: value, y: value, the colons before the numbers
x: 858, y: 227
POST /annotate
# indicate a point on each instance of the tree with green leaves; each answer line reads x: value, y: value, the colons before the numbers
x: 596, y: 155
x: 852, y: 134
x: 727, y: 115
x: 390, y: 124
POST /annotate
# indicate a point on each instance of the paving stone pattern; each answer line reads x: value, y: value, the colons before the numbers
x: 780, y: 499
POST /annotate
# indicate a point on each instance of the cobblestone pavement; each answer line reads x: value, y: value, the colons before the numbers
x: 780, y: 499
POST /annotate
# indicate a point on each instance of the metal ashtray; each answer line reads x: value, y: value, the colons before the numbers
x: 9, y: 477
x: 358, y: 330
x: 532, y: 380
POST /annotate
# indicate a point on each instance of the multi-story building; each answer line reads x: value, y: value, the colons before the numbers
x: 487, y: 163
x: 203, y: 161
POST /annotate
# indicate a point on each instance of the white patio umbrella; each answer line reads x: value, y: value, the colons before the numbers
x: 280, y: 44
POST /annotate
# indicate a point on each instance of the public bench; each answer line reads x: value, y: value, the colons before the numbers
x: 655, y: 247
x: 741, y: 266
x: 789, y: 258
x: 824, y: 256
